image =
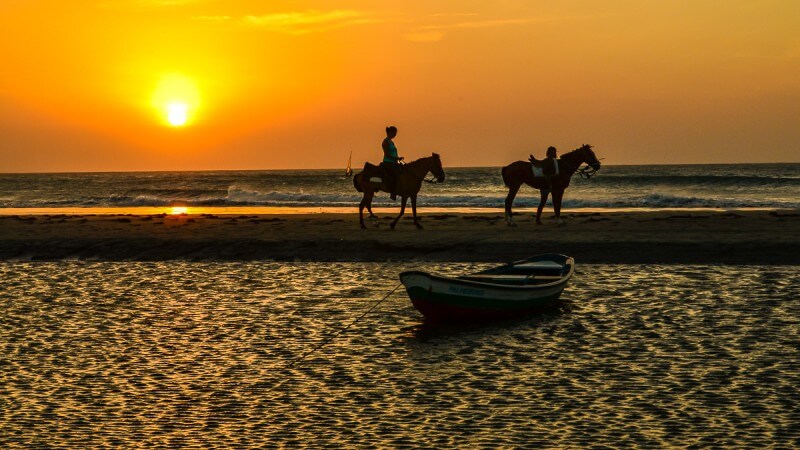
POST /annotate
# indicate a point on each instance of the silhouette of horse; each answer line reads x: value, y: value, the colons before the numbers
x: 409, y: 182
x: 520, y: 172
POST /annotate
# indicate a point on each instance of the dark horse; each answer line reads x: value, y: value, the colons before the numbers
x: 520, y: 172
x: 409, y: 182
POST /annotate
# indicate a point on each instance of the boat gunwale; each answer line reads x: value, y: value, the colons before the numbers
x: 562, y: 280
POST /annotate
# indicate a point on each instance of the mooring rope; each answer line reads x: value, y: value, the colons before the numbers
x: 331, y: 337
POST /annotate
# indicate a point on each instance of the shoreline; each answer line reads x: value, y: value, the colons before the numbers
x: 753, y: 237
x: 290, y: 210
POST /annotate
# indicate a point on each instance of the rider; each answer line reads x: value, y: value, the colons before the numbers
x: 548, y: 164
x: 391, y: 162
x: 549, y: 168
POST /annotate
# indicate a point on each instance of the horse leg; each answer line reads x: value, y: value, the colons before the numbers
x: 543, y: 193
x: 512, y: 192
x: 361, y: 211
x: 414, y: 210
x: 557, y: 197
x: 369, y: 198
x: 402, y: 210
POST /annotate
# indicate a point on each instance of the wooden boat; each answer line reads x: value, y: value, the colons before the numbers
x: 508, y: 291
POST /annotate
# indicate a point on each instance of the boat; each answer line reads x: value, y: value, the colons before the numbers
x: 348, y: 172
x: 511, y: 290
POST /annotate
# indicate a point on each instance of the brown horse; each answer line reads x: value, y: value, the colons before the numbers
x: 520, y: 172
x: 409, y: 182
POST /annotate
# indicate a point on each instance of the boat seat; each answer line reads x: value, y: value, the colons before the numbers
x: 540, y: 265
x: 496, y: 277
x: 488, y: 278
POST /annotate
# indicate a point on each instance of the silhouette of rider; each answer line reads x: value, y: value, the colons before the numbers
x: 548, y: 164
x: 391, y: 161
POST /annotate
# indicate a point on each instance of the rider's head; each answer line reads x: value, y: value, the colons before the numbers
x: 391, y: 131
x: 552, y: 152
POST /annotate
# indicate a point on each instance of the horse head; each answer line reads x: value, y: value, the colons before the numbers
x: 437, y: 170
x: 588, y: 157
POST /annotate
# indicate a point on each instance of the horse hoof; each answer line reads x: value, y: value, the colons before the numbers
x: 538, y: 222
x: 363, y: 227
x: 392, y: 226
x: 512, y: 224
x: 419, y: 227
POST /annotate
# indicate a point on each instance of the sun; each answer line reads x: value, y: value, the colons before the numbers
x: 176, y: 98
x: 177, y: 114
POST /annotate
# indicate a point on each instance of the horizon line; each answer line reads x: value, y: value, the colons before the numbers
x: 341, y: 169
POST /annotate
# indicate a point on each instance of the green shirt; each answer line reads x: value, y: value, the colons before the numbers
x: 389, y: 151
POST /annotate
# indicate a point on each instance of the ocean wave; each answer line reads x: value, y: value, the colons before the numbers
x: 240, y: 197
x: 729, y: 186
x: 675, y: 201
x: 245, y: 197
x: 728, y: 181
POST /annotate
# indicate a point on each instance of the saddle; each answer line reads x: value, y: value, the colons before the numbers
x: 544, y: 167
x: 375, y: 173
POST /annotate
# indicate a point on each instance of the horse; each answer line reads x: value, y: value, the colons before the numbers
x: 520, y: 172
x: 409, y: 182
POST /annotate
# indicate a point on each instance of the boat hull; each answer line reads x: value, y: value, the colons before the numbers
x: 444, y: 299
x: 437, y: 310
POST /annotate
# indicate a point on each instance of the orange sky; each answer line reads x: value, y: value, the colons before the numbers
x: 300, y: 84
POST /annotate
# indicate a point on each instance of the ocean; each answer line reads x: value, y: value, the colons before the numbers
x: 194, y: 355
x: 614, y: 187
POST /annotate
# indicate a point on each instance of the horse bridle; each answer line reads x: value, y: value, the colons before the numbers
x: 588, y: 171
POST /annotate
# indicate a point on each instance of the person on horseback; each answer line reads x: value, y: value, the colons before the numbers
x: 548, y: 164
x: 391, y: 161
x: 552, y: 153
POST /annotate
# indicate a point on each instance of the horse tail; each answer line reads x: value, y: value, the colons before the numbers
x: 355, y: 182
x: 505, y: 179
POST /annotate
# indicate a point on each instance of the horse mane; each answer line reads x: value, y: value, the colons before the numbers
x: 574, y: 153
x: 419, y: 160
x: 582, y: 147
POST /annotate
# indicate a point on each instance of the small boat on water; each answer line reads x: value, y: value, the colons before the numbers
x: 508, y: 291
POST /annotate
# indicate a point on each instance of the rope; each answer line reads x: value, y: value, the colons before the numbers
x: 331, y: 337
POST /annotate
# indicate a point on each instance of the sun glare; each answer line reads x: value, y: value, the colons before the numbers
x: 177, y: 113
x: 176, y: 98
x: 178, y: 210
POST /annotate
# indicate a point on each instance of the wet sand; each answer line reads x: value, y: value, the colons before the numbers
x: 194, y: 355
x: 723, y: 237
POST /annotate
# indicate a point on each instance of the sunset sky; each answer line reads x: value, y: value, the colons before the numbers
x: 118, y: 85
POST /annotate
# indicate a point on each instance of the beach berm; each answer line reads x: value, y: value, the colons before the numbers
x: 699, y: 236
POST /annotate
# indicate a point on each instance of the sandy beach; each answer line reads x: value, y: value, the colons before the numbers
x: 724, y: 237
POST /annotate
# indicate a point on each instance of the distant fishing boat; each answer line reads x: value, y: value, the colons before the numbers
x: 503, y: 292
x: 348, y: 172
